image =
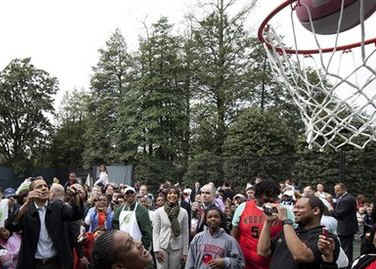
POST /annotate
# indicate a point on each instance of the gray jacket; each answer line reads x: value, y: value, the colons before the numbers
x: 205, y: 247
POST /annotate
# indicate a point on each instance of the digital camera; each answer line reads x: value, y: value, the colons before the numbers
x: 269, y: 210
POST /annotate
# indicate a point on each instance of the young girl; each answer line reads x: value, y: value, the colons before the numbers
x: 103, y: 176
x: 9, y: 247
x: 214, y: 248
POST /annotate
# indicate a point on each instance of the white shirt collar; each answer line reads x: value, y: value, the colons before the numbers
x: 342, y: 195
x: 41, y: 207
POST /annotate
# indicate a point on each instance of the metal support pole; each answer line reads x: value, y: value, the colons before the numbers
x: 263, y: 85
x: 342, y: 165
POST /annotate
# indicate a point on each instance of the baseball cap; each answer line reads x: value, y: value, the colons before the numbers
x: 239, y: 195
x: 129, y: 188
x: 187, y: 191
x: 289, y: 193
x: 9, y: 192
x: 249, y: 185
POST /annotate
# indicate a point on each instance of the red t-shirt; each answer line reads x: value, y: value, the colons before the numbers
x: 372, y: 265
x: 250, y: 226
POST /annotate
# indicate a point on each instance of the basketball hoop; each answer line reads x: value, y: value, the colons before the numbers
x: 330, y: 83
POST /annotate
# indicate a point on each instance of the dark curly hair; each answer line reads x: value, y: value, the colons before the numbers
x: 213, y: 207
x: 173, y: 188
x: 267, y: 187
x: 104, y: 254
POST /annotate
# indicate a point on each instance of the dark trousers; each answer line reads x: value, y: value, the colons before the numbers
x: 53, y: 264
x: 347, y: 246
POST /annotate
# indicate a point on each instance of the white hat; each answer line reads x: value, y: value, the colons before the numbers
x: 239, y: 195
x: 187, y: 190
x: 290, y: 193
x: 249, y: 185
x: 129, y: 188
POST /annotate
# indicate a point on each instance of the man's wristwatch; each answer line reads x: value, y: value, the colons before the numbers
x: 288, y: 222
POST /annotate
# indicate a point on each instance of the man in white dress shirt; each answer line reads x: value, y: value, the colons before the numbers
x: 45, y: 243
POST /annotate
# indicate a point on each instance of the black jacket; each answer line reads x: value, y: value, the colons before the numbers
x: 345, y: 213
x: 57, y: 214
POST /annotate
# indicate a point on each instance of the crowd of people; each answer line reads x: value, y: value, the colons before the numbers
x: 266, y: 225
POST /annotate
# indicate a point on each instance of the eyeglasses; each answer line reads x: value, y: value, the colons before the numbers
x: 205, y: 192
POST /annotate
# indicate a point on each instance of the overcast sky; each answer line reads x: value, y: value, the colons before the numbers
x: 63, y: 37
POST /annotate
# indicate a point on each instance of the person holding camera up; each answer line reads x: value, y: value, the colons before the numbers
x: 44, y: 242
x: 248, y: 221
x: 304, y: 247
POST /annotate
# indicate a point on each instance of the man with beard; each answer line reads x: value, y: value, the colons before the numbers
x: 45, y: 241
x: 300, y: 247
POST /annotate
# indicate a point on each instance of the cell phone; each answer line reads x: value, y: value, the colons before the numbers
x: 325, y: 232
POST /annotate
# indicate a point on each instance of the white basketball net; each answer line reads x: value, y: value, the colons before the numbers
x: 338, y: 107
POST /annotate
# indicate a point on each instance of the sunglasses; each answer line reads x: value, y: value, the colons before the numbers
x: 205, y: 192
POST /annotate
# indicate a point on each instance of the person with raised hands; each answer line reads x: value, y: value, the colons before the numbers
x: 249, y: 219
x: 298, y: 247
x: 45, y: 242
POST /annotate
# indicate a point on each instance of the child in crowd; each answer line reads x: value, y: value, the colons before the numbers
x: 367, y: 220
x: 214, y: 248
x: 360, y: 215
x: 195, y: 217
x: 10, y: 244
x: 228, y: 219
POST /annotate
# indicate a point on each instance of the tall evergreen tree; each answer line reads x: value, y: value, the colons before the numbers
x: 108, y: 84
x: 67, y: 144
x: 222, y: 65
x: 153, y: 113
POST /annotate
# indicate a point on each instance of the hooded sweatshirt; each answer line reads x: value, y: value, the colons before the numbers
x: 205, y: 247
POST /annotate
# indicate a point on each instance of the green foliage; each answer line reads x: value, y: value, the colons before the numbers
x: 204, y: 167
x: 152, y: 119
x: 222, y: 65
x: 109, y: 82
x: 154, y: 171
x: 26, y: 94
x: 259, y: 144
x: 67, y: 144
x: 353, y: 167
